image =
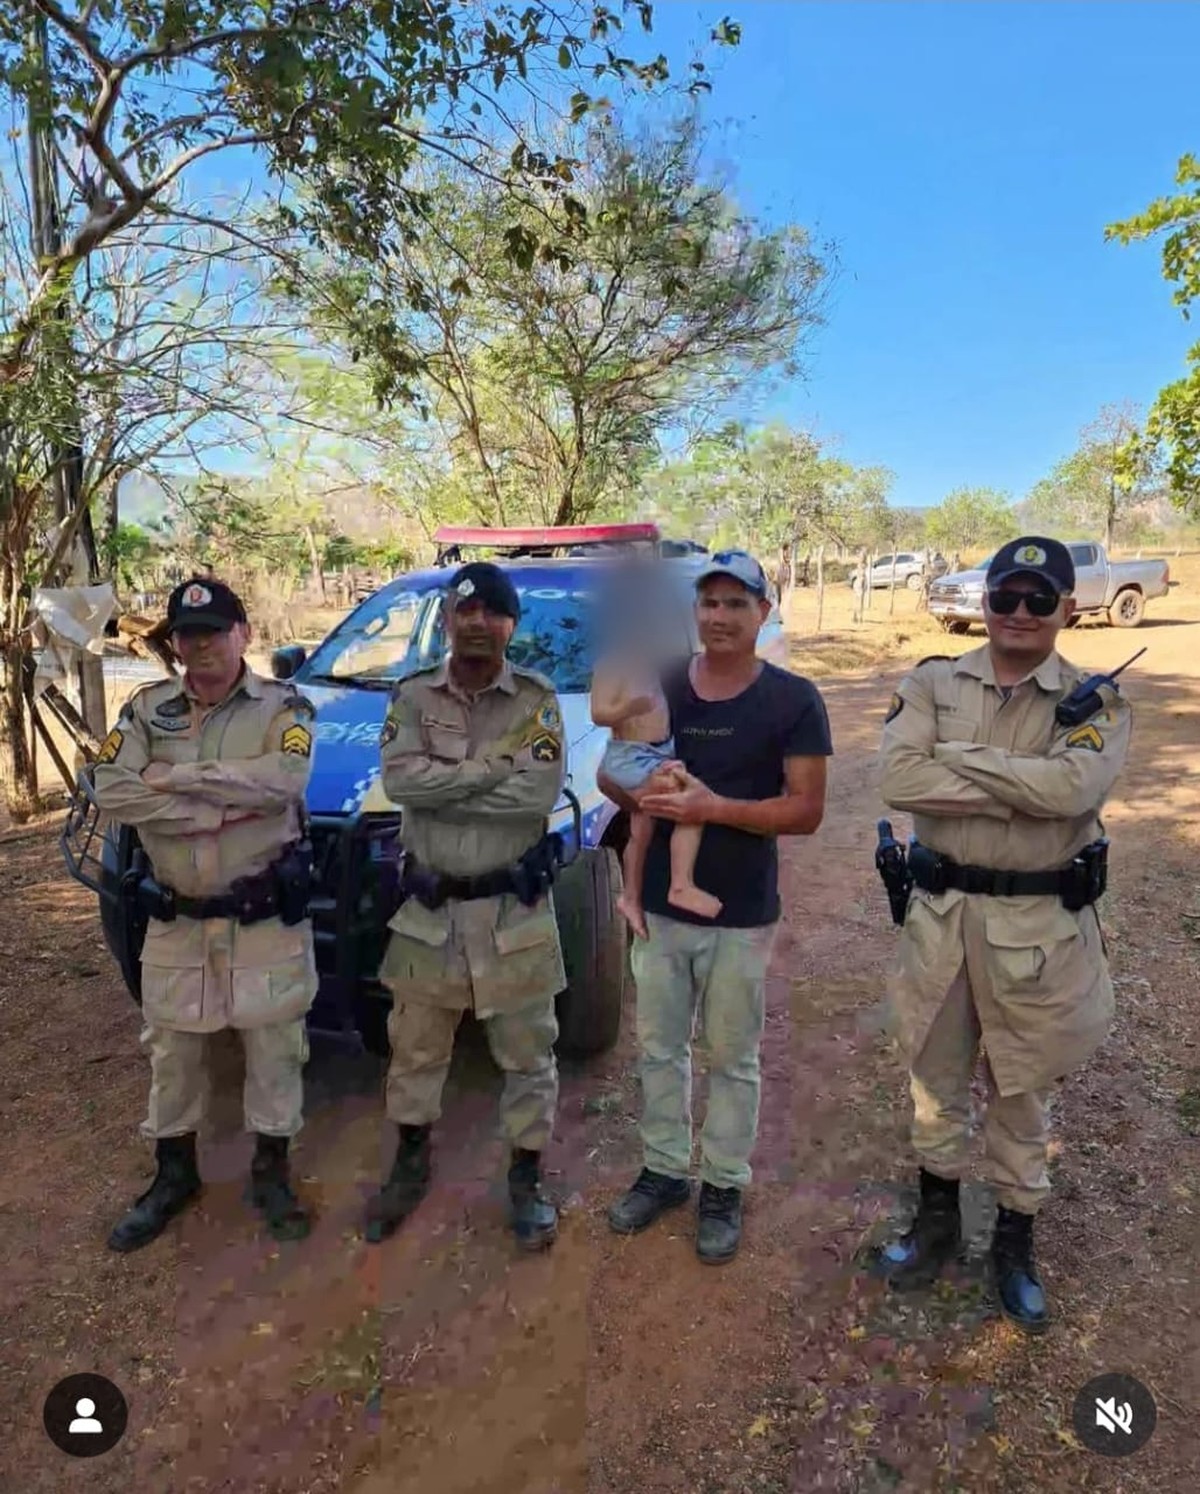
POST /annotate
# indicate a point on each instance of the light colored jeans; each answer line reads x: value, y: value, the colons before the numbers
x: 683, y: 970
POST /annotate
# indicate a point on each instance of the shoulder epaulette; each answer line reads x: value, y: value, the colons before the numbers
x: 533, y: 676
x: 934, y: 659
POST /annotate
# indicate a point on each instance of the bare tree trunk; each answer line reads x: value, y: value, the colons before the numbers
x: 315, y: 557
x: 861, y: 590
x: 820, y: 585
x: 16, y: 762
x: 892, y: 590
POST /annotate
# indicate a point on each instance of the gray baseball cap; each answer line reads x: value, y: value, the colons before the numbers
x: 741, y: 566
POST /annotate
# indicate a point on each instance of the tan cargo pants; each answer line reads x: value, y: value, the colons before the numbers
x: 522, y: 1043
x: 273, y: 1095
x: 1015, y: 1127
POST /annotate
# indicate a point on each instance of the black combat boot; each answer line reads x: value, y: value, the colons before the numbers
x: 534, y: 1217
x: 1017, y: 1283
x: 407, y: 1185
x: 932, y: 1241
x: 719, y: 1224
x: 175, y: 1184
x: 271, y: 1190
x: 651, y: 1195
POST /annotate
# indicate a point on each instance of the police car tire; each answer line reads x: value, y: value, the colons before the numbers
x: 595, y: 954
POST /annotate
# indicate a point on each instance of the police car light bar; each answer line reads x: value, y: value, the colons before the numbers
x: 566, y: 534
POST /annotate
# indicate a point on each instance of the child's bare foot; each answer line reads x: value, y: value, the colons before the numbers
x: 632, y: 913
x: 692, y: 900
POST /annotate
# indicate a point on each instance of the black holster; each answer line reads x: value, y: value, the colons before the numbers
x: 282, y: 891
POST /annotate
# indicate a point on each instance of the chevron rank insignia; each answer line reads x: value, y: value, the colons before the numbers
x: 545, y: 748
x: 111, y: 745
x: 1086, y: 736
x: 298, y: 741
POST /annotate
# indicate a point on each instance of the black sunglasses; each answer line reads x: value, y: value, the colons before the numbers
x: 1037, y: 603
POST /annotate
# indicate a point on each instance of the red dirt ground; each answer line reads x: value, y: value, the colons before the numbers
x: 443, y: 1362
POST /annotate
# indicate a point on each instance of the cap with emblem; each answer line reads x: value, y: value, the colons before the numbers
x: 739, y: 565
x: 1031, y: 555
x: 480, y: 581
x: 201, y: 603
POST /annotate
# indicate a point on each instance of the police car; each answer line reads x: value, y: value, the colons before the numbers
x: 357, y: 832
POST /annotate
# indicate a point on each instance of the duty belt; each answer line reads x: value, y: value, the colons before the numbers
x: 1079, y: 884
x: 527, y: 879
x: 281, y: 891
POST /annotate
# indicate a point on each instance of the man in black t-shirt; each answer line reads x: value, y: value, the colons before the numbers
x: 753, y: 740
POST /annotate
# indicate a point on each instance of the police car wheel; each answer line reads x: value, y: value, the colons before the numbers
x: 595, y: 954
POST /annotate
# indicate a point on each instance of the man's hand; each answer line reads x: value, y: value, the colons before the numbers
x: 156, y: 775
x: 692, y: 804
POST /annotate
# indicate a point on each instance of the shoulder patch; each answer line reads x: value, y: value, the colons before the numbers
x: 545, y: 748
x: 297, y: 740
x: 894, y: 709
x: 111, y: 746
x: 1087, y: 737
x: 548, y: 715
x: 388, y: 734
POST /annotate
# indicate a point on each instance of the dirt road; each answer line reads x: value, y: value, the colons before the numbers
x: 611, y: 1366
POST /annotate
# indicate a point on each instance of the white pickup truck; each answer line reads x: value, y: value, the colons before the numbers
x: 1121, y: 588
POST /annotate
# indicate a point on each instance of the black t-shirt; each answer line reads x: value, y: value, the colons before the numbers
x: 737, y: 747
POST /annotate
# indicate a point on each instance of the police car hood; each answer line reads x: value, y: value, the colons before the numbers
x: 345, y: 766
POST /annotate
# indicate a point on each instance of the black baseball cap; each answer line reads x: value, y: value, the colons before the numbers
x: 1032, y: 555
x: 201, y: 603
x: 481, y: 581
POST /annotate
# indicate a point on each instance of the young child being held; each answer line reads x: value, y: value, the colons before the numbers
x: 627, y: 697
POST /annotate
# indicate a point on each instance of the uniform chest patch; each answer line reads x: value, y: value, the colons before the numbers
x: 173, y: 709
x: 297, y: 740
x: 1086, y: 737
x: 168, y: 723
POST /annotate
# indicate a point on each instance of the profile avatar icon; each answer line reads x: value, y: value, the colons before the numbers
x: 85, y: 1417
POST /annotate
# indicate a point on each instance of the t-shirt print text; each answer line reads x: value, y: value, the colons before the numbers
x: 707, y: 731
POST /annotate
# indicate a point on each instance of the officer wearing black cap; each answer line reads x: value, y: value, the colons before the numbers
x: 1001, y: 945
x: 472, y: 750
x: 212, y: 772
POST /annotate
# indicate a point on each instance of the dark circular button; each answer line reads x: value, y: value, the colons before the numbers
x: 1114, y: 1415
x: 85, y: 1415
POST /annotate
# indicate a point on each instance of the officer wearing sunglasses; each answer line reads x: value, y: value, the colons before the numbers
x: 1001, y: 945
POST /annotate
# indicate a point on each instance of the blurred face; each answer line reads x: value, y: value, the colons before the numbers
x: 212, y: 659
x: 476, y: 635
x: 1023, y: 633
x: 729, y: 616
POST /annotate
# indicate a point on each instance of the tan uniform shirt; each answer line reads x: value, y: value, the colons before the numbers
x: 997, y: 782
x: 238, y: 773
x: 475, y: 778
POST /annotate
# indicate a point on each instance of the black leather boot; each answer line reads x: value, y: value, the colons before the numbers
x: 932, y: 1241
x: 175, y: 1184
x: 719, y: 1224
x: 1017, y: 1283
x: 271, y: 1190
x: 407, y: 1185
x: 652, y: 1194
x: 534, y: 1217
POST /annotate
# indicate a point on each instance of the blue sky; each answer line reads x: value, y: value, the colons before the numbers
x: 966, y: 157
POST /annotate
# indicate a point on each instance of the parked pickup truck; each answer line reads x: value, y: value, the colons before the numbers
x: 1121, y: 588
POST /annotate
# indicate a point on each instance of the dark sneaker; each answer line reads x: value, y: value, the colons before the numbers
x: 407, y: 1185
x: 1018, y: 1285
x: 271, y: 1190
x: 719, y: 1226
x: 916, y: 1258
x: 534, y: 1217
x: 176, y: 1183
x: 653, y: 1194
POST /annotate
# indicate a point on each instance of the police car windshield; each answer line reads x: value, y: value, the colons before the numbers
x: 555, y: 636
x: 368, y: 649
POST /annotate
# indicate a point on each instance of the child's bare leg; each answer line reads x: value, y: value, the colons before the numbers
x: 633, y: 864
x: 685, y: 847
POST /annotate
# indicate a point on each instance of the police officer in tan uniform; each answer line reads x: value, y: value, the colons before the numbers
x: 472, y: 751
x: 212, y: 772
x: 1001, y: 944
